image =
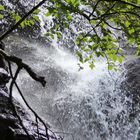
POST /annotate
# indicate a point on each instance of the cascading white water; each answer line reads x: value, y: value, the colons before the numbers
x: 80, y: 105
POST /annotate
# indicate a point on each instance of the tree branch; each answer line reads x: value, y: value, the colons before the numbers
x: 115, y: 28
x: 95, y: 6
x: 36, y: 115
x: 21, y: 20
x: 124, y: 2
x: 20, y: 64
x: 11, y: 99
x: 120, y: 12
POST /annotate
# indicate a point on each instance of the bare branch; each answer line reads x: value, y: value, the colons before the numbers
x: 14, y: 109
x: 21, y: 65
x: 95, y: 6
x: 115, y: 28
x: 120, y: 12
x: 11, y: 99
x: 36, y: 115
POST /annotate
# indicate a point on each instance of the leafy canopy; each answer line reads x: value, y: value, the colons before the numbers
x: 100, y: 28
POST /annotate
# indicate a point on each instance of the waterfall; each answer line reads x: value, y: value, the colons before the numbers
x: 79, y: 105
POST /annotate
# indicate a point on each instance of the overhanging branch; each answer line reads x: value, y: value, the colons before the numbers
x: 21, y: 65
x: 21, y: 20
x: 125, y: 2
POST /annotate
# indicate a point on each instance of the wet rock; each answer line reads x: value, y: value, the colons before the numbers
x: 133, y: 73
x: 10, y: 127
x: 131, y: 86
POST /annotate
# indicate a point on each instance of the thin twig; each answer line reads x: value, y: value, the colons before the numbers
x: 120, y: 12
x: 11, y: 99
x: 95, y: 6
x: 36, y: 115
x: 20, y: 66
x: 125, y: 2
x: 115, y: 28
x: 37, y: 126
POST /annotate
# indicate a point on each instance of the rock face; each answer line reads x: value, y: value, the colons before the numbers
x: 130, y: 88
x: 131, y: 85
x: 133, y: 74
x: 17, y: 125
x: 10, y: 128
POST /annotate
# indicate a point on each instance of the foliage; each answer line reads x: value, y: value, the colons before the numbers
x: 103, y: 29
x: 16, y: 17
x: 13, y: 11
x: 98, y: 28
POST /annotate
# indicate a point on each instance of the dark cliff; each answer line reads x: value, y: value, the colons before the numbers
x: 10, y: 127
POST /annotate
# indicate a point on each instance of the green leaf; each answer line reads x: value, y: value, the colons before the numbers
x: 95, y: 34
x: 31, y: 22
x: 131, y: 40
x: 138, y: 2
x: 27, y: 23
x: 16, y: 17
x: 131, y: 31
x: 80, y: 56
x: 75, y: 3
x: 86, y: 50
x: 93, y: 22
x: 127, y: 23
x: 87, y: 59
x: 36, y: 11
x: 110, y: 67
x: 113, y: 57
x: 92, y: 65
x: 138, y: 46
x: 59, y: 35
x: 1, y: 16
x: 48, y: 14
x: 36, y: 18
x: 22, y: 24
x: 69, y: 17
x: 138, y: 53
x: 120, y: 59
x: 2, y: 7
x: 98, y: 54
x: 68, y: 1
x: 52, y: 36
x: 94, y: 47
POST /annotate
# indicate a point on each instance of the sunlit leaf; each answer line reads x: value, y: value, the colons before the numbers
x: 36, y: 11
x: 92, y: 65
x: 36, y: 18
x: 120, y: 59
x: 2, y: 7
x: 48, y: 14
x: 69, y: 17
x: 59, y: 35
x: 1, y: 16
x: 127, y: 23
x: 80, y: 56
x: 110, y: 67
x: 16, y: 17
